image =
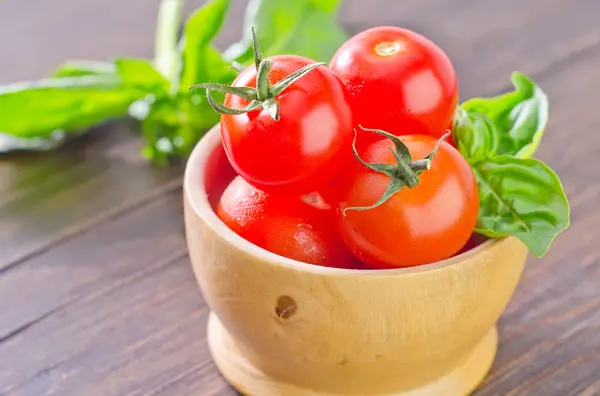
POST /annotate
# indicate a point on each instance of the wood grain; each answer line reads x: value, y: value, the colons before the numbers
x: 49, y: 197
x: 97, y: 296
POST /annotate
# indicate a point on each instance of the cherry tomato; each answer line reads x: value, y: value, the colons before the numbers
x: 283, y: 224
x: 418, y: 225
x: 309, y: 143
x: 399, y: 81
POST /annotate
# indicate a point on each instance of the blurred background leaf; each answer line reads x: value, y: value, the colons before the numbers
x: 37, y: 109
x: 201, y: 61
x: 301, y: 27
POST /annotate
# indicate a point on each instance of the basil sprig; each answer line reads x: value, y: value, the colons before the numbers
x: 518, y: 195
x: 520, y: 116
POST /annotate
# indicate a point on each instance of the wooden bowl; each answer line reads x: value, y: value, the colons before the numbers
x: 282, y: 327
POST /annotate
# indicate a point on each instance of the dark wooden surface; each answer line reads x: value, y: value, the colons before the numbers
x: 97, y: 296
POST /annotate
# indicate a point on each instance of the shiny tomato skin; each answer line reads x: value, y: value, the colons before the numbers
x: 283, y: 224
x: 309, y: 143
x: 412, y: 90
x: 425, y: 224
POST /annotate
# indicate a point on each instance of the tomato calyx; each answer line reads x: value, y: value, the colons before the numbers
x: 264, y: 94
x: 406, y: 171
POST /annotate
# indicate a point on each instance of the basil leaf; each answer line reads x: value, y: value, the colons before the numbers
x: 519, y: 116
x: 37, y: 109
x: 48, y: 110
x: 139, y: 73
x: 301, y: 27
x: 173, y: 125
x: 57, y: 137
x: 475, y: 135
x: 521, y: 197
x: 201, y: 61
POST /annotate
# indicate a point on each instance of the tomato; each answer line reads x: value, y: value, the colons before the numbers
x: 398, y: 80
x: 418, y: 225
x: 307, y: 145
x: 282, y: 224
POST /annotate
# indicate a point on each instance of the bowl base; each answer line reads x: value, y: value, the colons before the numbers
x: 251, y: 381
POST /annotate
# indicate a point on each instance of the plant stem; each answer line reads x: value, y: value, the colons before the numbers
x: 420, y: 165
x: 166, y: 59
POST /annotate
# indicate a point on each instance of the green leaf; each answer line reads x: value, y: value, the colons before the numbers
x: 139, y: 73
x: 520, y: 116
x: 84, y: 68
x: 201, y: 61
x: 174, y: 125
x: 37, y: 109
x: 475, y: 135
x: 521, y: 197
x: 302, y: 27
x: 84, y: 95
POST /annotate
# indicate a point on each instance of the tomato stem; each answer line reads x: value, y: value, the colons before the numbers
x: 263, y: 95
x: 262, y: 79
x: 421, y: 165
x: 405, y: 173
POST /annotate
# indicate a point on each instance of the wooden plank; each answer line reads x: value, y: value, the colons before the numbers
x: 105, y: 253
x: 57, y: 326
x: 551, y: 36
x: 122, y: 316
x: 48, y: 197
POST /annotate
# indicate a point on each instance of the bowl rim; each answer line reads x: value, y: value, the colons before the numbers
x: 197, y: 199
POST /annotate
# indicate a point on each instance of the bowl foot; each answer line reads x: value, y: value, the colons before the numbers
x: 250, y: 381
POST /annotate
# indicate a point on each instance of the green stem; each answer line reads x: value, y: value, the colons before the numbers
x: 405, y: 173
x: 420, y: 165
x: 166, y: 59
x: 262, y: 79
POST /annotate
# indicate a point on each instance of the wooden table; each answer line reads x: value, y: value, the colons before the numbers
x: 97, y: 296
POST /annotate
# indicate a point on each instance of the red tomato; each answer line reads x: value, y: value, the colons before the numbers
x: 399, y: 81
x: 284, y: 225
x: 418, y: 225
x: 309, y: 143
